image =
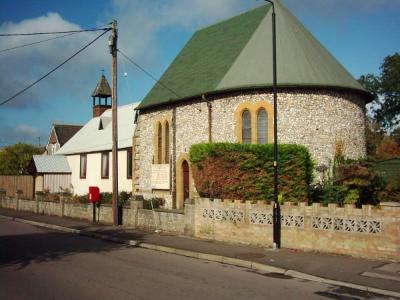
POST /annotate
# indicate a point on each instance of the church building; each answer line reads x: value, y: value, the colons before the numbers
x: 219, y: 89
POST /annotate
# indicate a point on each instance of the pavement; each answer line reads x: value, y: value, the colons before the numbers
x: 375, y: 276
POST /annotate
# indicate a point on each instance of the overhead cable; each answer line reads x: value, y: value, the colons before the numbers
x: 148, y: 74
x: 37, y: 42
x: 54, y: 32
x: 54, y: 69
x: 42, y: 41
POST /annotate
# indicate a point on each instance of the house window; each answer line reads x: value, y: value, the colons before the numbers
x: 159, y: 144
x: 104, y: 164
x: 246, y: 127
x: 129, y: 163
x: 262, y: 126
x: 83, y: 164
x: 166, y: 143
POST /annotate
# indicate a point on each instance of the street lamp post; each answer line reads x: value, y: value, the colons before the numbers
x: 276, y: 210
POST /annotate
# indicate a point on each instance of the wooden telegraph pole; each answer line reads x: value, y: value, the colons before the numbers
x: 113, y: 50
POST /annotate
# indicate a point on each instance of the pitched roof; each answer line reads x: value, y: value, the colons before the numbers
x: 65, y: 132
x: 95, y: 138
x: 236, y: 54
x: 102, y: 89
x: 50, y: 164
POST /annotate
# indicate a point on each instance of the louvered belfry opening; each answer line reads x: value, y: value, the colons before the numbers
x: 100, y: 97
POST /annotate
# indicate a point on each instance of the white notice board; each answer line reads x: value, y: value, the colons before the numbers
x: 160, y: 177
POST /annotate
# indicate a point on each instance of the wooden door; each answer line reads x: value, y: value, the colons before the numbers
x: 185, y: 172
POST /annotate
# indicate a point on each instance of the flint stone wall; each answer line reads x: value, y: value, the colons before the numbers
x: 315, y: 119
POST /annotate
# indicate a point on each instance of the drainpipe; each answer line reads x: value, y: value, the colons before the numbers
x: 209, y: 110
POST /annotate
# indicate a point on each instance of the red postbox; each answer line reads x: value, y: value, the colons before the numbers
x: 94, y: 194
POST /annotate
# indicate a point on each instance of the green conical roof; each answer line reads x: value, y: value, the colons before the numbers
x: 236, y: 54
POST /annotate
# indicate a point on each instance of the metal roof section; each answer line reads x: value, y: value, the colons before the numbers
x: 51, y: 164
x: 102, y: 89
x: 237, y: 54
x: 93, y: 139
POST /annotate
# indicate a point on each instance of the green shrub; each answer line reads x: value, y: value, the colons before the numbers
x: 326, y: 193
x: 81, y: 199
x: 106, y: 198
x: 360, y: 176
x: 352, y: 182
x: 157, y: 202
x: 243, y: 171
x: 124, y: 198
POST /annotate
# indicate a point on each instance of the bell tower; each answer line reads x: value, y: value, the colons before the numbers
x: 100, y: 97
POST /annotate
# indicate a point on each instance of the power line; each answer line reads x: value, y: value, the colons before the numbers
x: 54, y: 69
x: 148, y: 74
x: 42, y: 41
x: 37, y: 42
x: 54, y: 32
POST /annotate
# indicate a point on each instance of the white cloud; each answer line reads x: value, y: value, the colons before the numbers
x: 142, y: 29
x: 21, y: 133
x: 25, y: 65
x: 26, y: 129
x: 143, y: 23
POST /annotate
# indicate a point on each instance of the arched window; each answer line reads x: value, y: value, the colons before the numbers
x: 166, y: 143
x: 246, y: 127
x: 262, y: 126
x: 159, y: 144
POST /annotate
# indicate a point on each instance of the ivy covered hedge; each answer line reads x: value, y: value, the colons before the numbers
x: 243, y: 171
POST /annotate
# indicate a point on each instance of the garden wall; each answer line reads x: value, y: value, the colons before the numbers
x: 369, y: 232
x: 133, y: 216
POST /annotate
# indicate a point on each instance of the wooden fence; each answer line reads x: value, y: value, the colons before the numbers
x: 13, y: 183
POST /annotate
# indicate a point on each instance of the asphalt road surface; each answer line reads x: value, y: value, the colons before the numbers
x: 42, y: 264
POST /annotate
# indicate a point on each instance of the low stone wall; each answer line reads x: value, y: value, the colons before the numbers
x: 76, y: 210
x: 369, y: 232
x: 134, y: 216
x: 159, y: 220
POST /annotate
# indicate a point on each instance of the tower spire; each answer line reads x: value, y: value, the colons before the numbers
x: 102, y: 91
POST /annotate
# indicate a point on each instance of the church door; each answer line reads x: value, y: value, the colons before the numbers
x: 185, y: 173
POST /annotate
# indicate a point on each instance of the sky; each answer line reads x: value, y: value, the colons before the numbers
x: 359, y: 33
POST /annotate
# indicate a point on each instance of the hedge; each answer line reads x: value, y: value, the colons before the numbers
x: 246, y: 172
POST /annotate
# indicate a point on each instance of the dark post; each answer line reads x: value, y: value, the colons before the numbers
x: 276, y: 210
x: 94, y: 212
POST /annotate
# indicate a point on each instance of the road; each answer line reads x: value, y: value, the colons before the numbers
x: 42, y: 264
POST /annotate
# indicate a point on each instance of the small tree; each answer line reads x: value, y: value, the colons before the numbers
x: 386, y: 91
x: 14, y: 160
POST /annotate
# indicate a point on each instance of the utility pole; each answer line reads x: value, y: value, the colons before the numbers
x: 112, y: 42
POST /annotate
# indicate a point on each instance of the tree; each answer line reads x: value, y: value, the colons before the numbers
x: 396, y: 135
x: 386, y: 90
x: 388, y: 148
x: 374, y: 136
x: 14, y: 160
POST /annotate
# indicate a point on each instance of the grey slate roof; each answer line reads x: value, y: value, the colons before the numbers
x: 51, y: 164
x: 236, y: 54
x: 65, y: 132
